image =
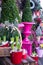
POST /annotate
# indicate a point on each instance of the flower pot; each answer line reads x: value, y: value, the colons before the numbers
x: 5, y: 44
x: 28, y: 47
x: 39, y: 51
x: 28, y: 26
x: 16, y: 57
x: 35, y: 58
x: 27, y: 44
x: 24, y: 54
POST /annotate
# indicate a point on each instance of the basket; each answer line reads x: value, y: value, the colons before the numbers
x: 5, y: 51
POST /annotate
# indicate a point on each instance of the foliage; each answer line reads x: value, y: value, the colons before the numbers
x: 17, y: 45
x: 27, y: 14
x: 9, y: 11
x: 4, y: 31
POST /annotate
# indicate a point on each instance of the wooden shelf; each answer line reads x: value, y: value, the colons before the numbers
x: 4, y: 51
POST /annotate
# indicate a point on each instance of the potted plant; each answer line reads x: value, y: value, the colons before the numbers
x: 35, y: 57
x: 3, y: 41
x: 40, y: 50
x: 27, y: 16
x: 27, y: 21
x: 16, y: 51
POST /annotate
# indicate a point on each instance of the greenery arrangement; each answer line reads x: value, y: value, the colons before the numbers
x: 4, y: 31
x: 27, y: 14
x: 17, y: 44
x: 9, y: 11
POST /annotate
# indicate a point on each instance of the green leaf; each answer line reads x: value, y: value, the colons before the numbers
x: 12, y: 39
x: 27, y: 13
x: 4, y: 38
x: 12, y: 46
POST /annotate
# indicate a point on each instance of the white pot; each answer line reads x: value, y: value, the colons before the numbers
x: 39, y: 52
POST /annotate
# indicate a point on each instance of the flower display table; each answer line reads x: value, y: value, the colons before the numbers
x: 5, y: 53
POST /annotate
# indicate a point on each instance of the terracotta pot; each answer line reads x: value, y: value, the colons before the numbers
x: 16, y: 57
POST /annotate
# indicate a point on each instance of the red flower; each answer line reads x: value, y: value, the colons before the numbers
x: 38, y: 20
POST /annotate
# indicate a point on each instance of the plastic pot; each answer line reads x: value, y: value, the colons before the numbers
x: 35, y: 58
x: 16, y: 57
x: 39, y: 51
x: 5, y: 44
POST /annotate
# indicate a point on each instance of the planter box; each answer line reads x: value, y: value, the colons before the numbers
x: 5, y: 51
